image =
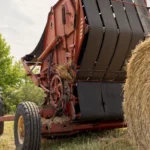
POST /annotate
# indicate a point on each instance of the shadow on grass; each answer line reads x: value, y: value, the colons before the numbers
x: 101, y: 140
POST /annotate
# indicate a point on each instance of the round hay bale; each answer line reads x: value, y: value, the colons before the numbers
x: 137, y: 95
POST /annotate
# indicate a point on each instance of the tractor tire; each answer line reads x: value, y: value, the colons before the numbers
x: 27, y: 127
x: 1, y: 114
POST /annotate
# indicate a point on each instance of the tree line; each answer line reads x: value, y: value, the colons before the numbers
x: 17, y: 87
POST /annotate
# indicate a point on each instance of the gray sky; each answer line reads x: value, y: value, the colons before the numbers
x: 22, y: 23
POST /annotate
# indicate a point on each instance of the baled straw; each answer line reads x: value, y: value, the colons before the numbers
x: 65, y: 71
x: 137, y: 95
x: 56, y: 120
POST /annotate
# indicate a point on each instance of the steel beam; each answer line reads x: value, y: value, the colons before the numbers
x: 7, y: 118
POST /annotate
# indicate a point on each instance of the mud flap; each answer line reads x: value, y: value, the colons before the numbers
x: 100, y: 101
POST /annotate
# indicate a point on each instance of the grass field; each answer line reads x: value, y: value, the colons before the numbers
x: 105, y: 140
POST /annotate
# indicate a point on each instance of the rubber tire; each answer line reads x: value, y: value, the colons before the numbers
x: 32, y: 126
x: 1, y: 114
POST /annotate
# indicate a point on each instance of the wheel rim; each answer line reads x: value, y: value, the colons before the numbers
x: 21, y: 130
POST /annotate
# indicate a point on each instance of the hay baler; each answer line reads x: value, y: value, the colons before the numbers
x: 81, y: 57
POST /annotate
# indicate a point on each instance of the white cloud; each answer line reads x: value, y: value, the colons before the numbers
x: 148, y: 2
x: 22, y: 23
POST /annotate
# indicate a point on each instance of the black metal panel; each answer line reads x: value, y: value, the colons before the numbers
x: 94, y: 40
x: 123, y: 41
x: 100, y: 101
x: 136, y: 28
x: 110, y: 39
x: 90, y: 101
x: 143, y: 15
x: 112, y: 94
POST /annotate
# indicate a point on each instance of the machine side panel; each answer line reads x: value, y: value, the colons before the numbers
x: 123, y: 41
x: 100, y: 101
x: 143, y: 15
x: 90, y: 101
x: 110, y: 39
x: 94, y: 39
x: 137, y: 32
x: 112, y: 94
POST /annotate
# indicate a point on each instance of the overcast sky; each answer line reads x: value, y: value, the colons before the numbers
x: 22, y: 23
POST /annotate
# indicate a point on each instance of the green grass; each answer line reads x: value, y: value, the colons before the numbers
x: 102, y: 140
x: 7, y: 139
x: 106, y: 140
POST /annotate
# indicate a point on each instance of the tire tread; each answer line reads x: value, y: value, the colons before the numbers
x: 32, y: 126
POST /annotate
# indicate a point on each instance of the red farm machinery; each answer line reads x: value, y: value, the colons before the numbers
x: 81, y: 57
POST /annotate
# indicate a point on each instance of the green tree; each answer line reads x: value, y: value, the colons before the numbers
x: 26, y: 92
x: 10, y: 73
x: 5, y: 63
x: 17, y: 87
x: 23, y: 90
